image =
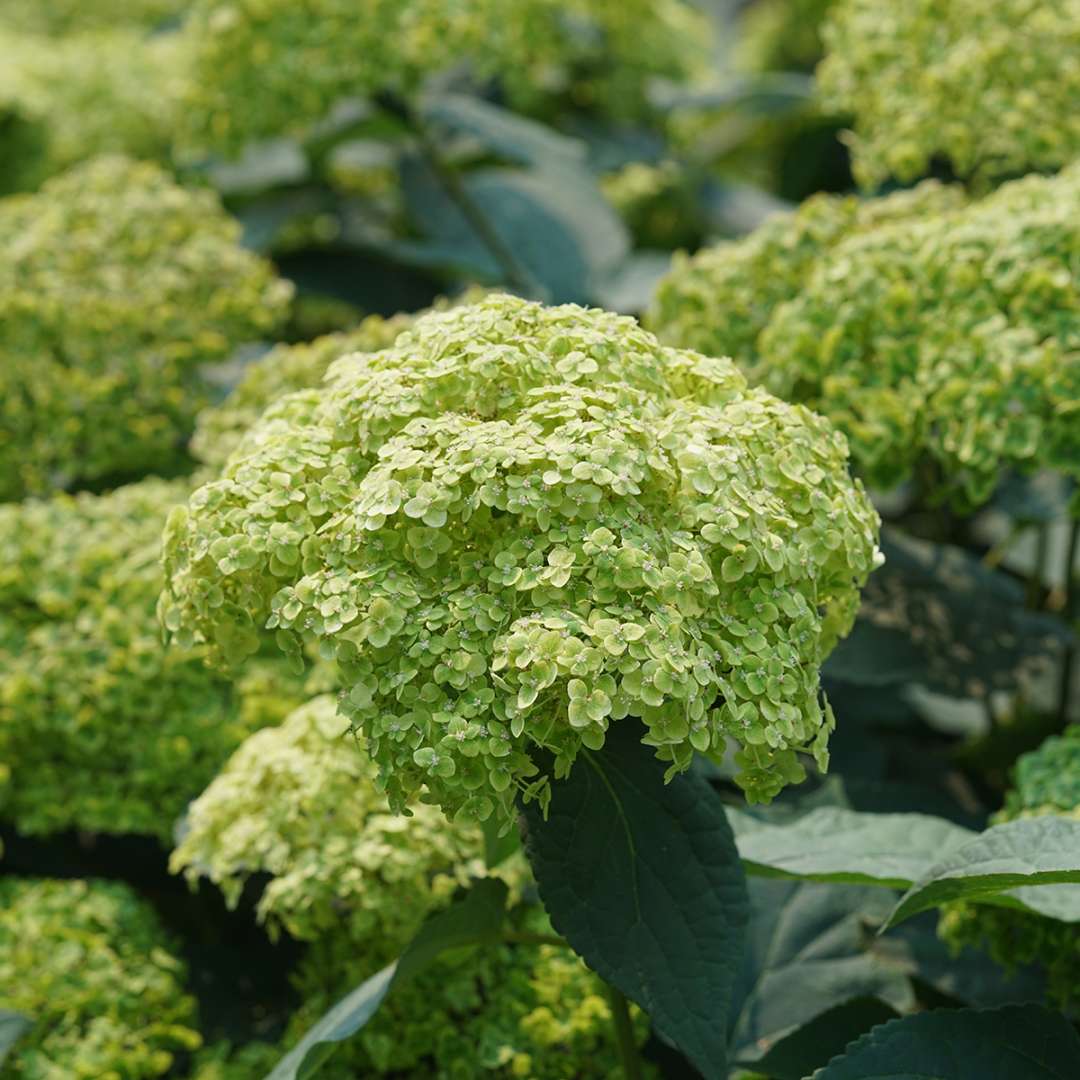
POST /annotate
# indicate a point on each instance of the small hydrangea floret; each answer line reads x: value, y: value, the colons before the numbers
x: 521, y: 525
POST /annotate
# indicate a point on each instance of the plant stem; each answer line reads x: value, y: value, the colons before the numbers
x: 624, y: 1034
x: 1068, y: 662
x: 1038, y: 576
x: 517, y: 277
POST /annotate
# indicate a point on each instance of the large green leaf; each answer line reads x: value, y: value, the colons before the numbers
x: 1017, y: 1042
x: 12, y: 1027
x: 643, y: 880
x: 505, y: 133
x: 993, y: 865
x: 808, y: 949
x: 815, y: 1043
x: 834, y: 844
x: 475, y: 919
x: 934, y: 615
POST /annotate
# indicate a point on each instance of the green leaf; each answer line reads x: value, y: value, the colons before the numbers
x: 512, y: 137
x: 643, y: 880
x: 497, y: 849
x: 12, y: 1027
x: 808, y: 949
x: 815, y: 1043
x: 934, y: 615
x: 834, y: 844
x: 1016, y: 1042
x: 475, y: 919
x: 1031, y: 851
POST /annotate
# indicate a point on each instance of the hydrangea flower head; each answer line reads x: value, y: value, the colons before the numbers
x: 520, y: 525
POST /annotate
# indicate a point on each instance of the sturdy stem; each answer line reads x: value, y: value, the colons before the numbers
x: 624, y: 1034
x: 1068, y: 663
x: 516, y: 275
x: 1038, y: 576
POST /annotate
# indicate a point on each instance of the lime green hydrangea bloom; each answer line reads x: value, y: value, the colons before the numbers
x: 102, y: 727
x: 1046, y: 781
x: 719, y: 300
x: 88, y: 963
x: 521, y: 524
x: 69, y: 16
x: 946, y: 331
x: 115, y: 287
x: 101, y: 92
x: 263, y: 67
x: 284, y: 369
x: 299, y: 803
x: 991, y: 89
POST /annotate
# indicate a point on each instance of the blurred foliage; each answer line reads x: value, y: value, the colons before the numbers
x: 989, y: 90
x: 91, y: 967
x: 1046, y: 781
x: 57, y: 17
x: 99, y: 92
x: 102, y: 727
x: 117, y: 286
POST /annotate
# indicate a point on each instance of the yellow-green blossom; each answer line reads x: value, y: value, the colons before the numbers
x: 263, y: 67
x: 922, y: 326
x: 88, y: 964
x: 102, y: 726
x: 115, y: 287
x: 100, y: 92
x: 991, y: 89
x: 521, y: 524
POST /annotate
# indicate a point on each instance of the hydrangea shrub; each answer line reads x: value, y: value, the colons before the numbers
x: 99, y: 92
x: 951, y: 336
x: 102, y: 727
x: 88, y: 963
x: 521, y: 524
x: 117, y: 285
x: 298, y: 803
x: 1046, y: 781
x: 263, y: 67
x: 993, y: 89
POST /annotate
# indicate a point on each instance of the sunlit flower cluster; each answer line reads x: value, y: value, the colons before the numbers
x: 522, y: 524
x: 991, y: 89
x: 950, y: 334
x: 115, y: 286
x: 91, y: 968
x: 103, y: 727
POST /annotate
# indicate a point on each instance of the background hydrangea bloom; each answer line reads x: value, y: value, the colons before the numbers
x: 88, y: 963
x: 520, y: 524
x: 102, y: 727
x: 953, y: 334
x: 1047, y: 781
x: 992, y: 89
x: 116, y: 286
x: 298, y: 802
x: 263, y: 68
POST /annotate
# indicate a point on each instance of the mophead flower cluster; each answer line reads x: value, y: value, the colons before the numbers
x: 102, y: 727
x: 116, y: 286
x: 993, y: 89
x: 924, y: 327
x: 520, y: 525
